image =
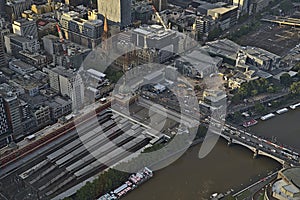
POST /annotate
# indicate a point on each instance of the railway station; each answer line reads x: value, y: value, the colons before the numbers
x: 83, y: 154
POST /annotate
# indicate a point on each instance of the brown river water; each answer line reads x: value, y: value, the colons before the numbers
x: 225, y: 168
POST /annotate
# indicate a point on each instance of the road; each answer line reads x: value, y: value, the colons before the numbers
x: 249, y: 139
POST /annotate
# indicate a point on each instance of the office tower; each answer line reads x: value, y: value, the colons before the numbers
x: 25, y: 28
x: 201, y: 26
x: 5, y: 136
x: 12, y: 105
x: 2, y: 56
x: 15, y: 8
x: 243, y: 6
x: 81, y: 31
x: 117, y: 11
x: 68, y: 83
x: 3, y: 118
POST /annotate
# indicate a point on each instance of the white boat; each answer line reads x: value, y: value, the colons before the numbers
x: 295, y: 106
x: 268, y: 116
x: 281, y: 111
x: 214, y: 195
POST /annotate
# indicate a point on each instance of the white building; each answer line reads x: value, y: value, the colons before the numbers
x: 67, y: 83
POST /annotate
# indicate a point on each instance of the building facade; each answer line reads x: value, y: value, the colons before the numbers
x: 25, y: 28
x: 117, y: 11
x: 3, y: 61
x: 4, y: 126
x: 160, y: 5
x: 68, y: 84
x: 15, y: 43
x: 15, y: 8
x: 14, y: 116
x: 225, y: 16
x: 84, y: 32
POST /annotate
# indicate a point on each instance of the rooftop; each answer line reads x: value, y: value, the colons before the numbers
x: 200, y: 59
x: 18, y: 38
x: 263, y: 54
x: 64, y: 72
x: 154, y: 32
x: 293, y: 174
x: 223, y: 10
x: 223, y: 47
x: 22, y: 65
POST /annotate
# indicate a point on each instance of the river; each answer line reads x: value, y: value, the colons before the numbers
x: 191, y: 178
x: 284, y: 128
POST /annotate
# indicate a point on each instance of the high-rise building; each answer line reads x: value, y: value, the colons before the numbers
x: 12, y: 105
x: 3, y: 61
x: 2, y: 8
x: 4, y: 128
x: 81, y: 31
x: 117, y: 11
x: 243, y: 6
x: 67, y: 83
x: 16, y: 7
x: 160, y: 4
x: 226, y: 16
x: 25, y: 28
x: 201, y: 26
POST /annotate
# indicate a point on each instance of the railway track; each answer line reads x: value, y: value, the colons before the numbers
x: 82, y: 155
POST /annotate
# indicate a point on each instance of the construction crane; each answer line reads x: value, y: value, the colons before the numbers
x: 61, y: 38
x: 159, y: 18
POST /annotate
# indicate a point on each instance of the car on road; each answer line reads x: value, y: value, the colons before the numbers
x: 273, y: 150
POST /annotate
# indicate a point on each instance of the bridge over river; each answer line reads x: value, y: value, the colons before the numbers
x: 259, y: 146
x: 234, y: 135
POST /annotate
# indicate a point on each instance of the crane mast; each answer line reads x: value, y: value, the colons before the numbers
x: 61, y: 38
x: 159, y: 18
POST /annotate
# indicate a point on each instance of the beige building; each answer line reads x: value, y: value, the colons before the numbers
x: 226, y: 16
x: 117, y: 11
x: 286, y: 187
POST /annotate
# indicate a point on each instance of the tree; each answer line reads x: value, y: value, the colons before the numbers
x: 295, y: 88
x: 243, y: 90
x: 197, y: 87
x: 236, y: 98
x: 254, y: 92
x: 286, y: 6
x: 214, y: 33
x: 285, y: 79
x: 296, y: 67
x: 237, y: 115
x: 270, y: 89
x: 259, y: 108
